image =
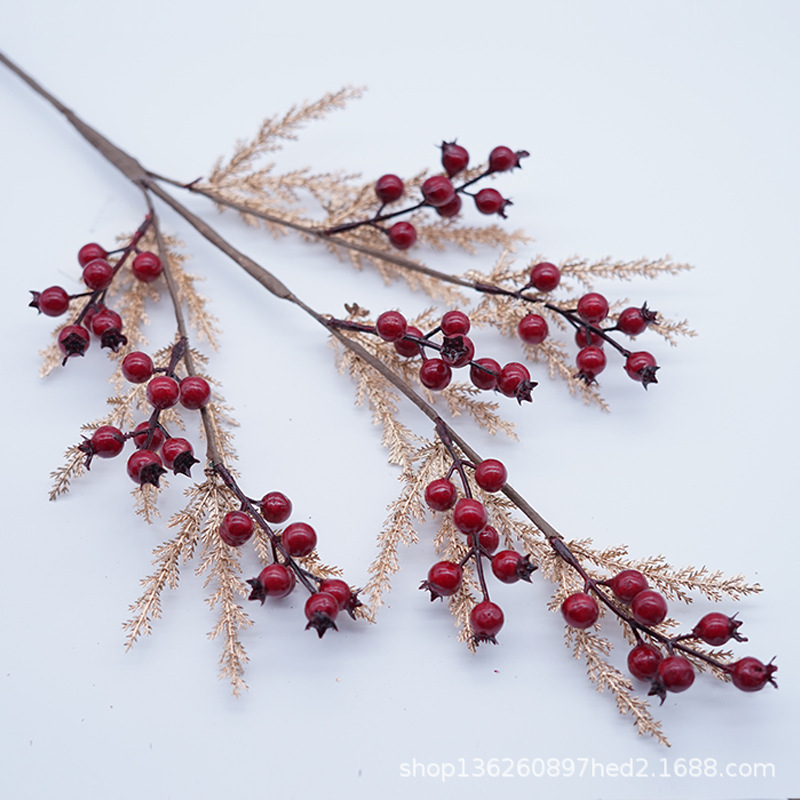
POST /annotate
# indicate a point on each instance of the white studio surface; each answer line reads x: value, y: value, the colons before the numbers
x: 653, y: 129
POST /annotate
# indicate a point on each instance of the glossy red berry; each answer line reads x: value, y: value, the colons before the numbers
x: 455, y: 158
x: 441, y: 494
x: 532, y: 329
x: 511, y: 377
x: 104, y: 321
x: 509, y: 566
x: 491, y: 475
x: 407, y: 348
x: 489, y: 539
x: 676, y: 674
x: 486, y: 620
x: 147, y: 267
x: 457, y: 351
x: 484, y: 373
x: 389, y: 188
x: 107, y: 441
x: 627, y: 584
x: 391, y: 326
x: 470, y: 516
x: 339, y: 589
x: 586, y: 337
x: 438, y: 191
x: 592, y: 308
x: 145, y: 466
x: 137, y: 367
x: 276, y: 507
x: 643, y: 661
x: 299, y: 539
x: 321, y: 611
x: 750, y: 675
x: 490, y: 201
x: 717, y: 629
x: 631, y: 321
x: 402, y: 235
x: 591, y: 361
x: 435, y: 374
x: 141, y: 433
x: 641, y: 367
x: 545, y: 276
x: 53, y: 301
x: 504, y: 158
x: 163, y: 392
x: 73, y: 340
x: 194, y: 392
x: 98, y: 274
x: 444, y: 578
x: 455, y: 323
x: 450, y: 209
x: 89, y: 252
x: 649, y: 608
x: 178, y: 455
x: 580, y: 610
x: 236, y: 528
x: 276, y: 581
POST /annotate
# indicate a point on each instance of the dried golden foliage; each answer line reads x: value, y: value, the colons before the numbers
x: 146, y: 500
x: 588, y: 272
x: 72, y: 468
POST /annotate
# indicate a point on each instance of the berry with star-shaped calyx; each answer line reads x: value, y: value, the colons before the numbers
x: 53, y: 301
x: 509, y: 566
x: 106, y: 442
x: 178, y: 455
x: 321, y: 610
x: 457, y: 351
x: 275, y: 580
x: 444, y: 578
x: 632, y: 321
x: 73, y: 340
x: 641, y: 366
x: 502, y: 159
x: 490, y: 201
x: 145, y: 466
x: 751, y: 675
x: 455, y: 158
x: 717, y: 629
x: 486, y: 620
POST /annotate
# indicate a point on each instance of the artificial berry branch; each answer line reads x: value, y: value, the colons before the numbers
x: 220, y: 518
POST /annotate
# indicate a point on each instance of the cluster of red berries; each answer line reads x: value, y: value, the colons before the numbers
x: 643, y: 608
x: 95, y: 317
x: 440, y: 193
x: 591, y: 310
x: 471, y: 518
x: 455, y: 351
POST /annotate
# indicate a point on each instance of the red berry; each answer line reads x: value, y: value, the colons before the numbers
x: 545, y: 276
x: 509, y: 566
x: 716, y: 629
x: 276, y: 507
x: 486, y: 619
x: 147, y: 267
x: 106, y: 320
x: 53, y: 301
x: 402, y: 235
x: 98, y: 274
x: 107, y: 441
x: 321, y: 611
x: 491, y: 475
x: 532, y: 329
x: 299, y: 539
x: 339, y: 589
x: 407, y: 348
x: 89, y: 252
x: 627, y: 584
x: 236, y: 528
x: 455, y: 323
x: 511, y: 376
x: 580, y: 610
x: 450, y: 209
x: 391, y: 326
x: 444, y: 578
x: 641, y: 367
x: 490, y: 201
x: 484, y: 373
x: 585, y: 337
x: 676, y: 674
x: 489, y: 539
x: 276, y: 581
x: 142, y: 431
x: 592, y: 307
x: 435, y: 374
x: 455, y: 158
x: 504, y: 158
x: 73, y: 340
x: 750, y: 675
x: 163, y: 392
x: 144, y: 466
x: 470, y: 516
x: 631, y: 321
x: 440, y: 494
x: 178, y: 455
x: 591, y: 361
x: 137, y: 367
x: 438, y: 191
x: 649, y: 607
x: 194, y: 392
x: 457, y: 351
x: 389, y: 188
x: 643, y: 661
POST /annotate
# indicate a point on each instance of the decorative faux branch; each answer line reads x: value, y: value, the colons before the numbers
x: 488, y: 532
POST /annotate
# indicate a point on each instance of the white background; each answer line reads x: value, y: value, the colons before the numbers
x: 654, y: 129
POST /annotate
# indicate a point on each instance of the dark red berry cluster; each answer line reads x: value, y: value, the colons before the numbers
x: 439, y: 192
